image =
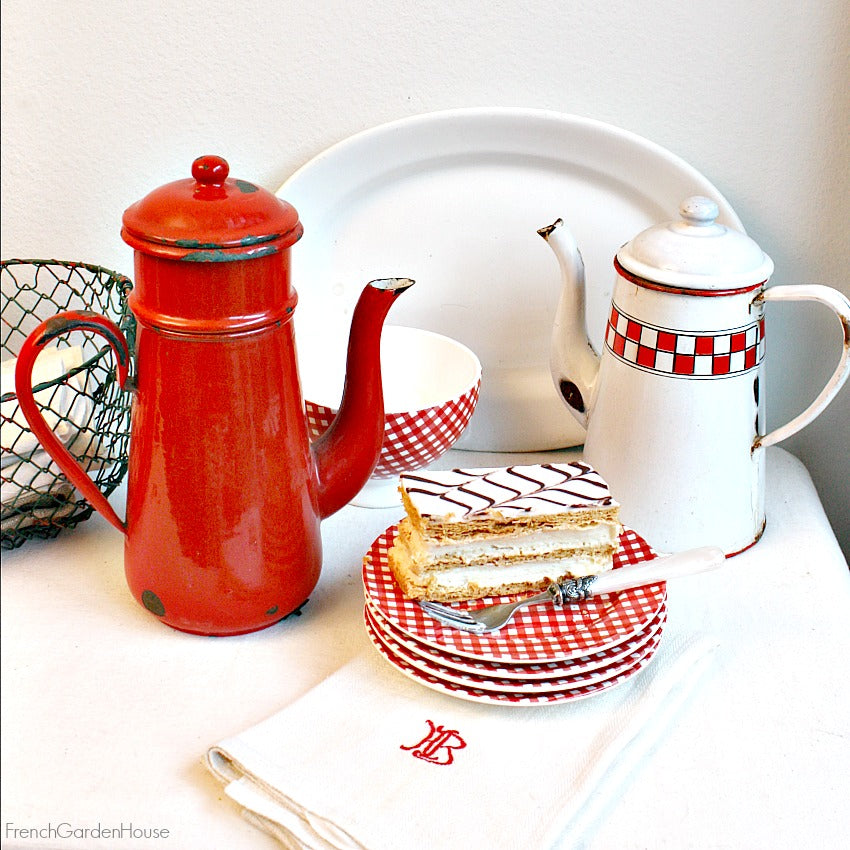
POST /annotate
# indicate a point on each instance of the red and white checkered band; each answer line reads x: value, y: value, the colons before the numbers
x: 411, y: 440
x: 685, y: 354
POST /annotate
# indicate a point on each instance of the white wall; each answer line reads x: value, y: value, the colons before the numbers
x: 101, y: 102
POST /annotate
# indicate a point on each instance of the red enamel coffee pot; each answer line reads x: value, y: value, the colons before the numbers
x: 225, y: 492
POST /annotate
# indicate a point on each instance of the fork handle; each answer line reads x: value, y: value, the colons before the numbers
x: 636, y: 575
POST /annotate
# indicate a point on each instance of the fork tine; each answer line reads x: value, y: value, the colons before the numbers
x: 451, y: 617
x: 460, y: 625
x: 443, y: 611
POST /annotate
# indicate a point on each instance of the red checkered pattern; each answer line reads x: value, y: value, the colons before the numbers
x: 540, y: 634
x: 607, y: 658
x: 476, y: 693
x: 411, y: 440
x: 570, y: 674
x: 685, y: 354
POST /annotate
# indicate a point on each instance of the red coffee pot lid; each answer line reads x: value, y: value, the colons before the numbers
x: 210, y: 217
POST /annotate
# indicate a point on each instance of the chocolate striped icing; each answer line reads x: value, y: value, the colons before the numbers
x: 512, y: 491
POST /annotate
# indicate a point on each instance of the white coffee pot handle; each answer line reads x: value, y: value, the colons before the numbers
x: 840, y: 305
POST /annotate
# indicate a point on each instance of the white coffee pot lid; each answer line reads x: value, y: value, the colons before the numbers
x: 695, y: 252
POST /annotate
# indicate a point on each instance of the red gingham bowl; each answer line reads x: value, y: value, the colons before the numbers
x: 431, y: 384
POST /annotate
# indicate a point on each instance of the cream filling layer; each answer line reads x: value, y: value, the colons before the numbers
x: 490, y: 575
x: 527, y: 545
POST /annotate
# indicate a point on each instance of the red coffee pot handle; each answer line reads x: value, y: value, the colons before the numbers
x: 79, y: 320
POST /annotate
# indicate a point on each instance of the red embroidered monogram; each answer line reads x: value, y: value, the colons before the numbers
x: 438, y: 746
x: 680, y: 354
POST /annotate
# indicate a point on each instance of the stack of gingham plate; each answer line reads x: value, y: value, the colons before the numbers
x: 544, y: 655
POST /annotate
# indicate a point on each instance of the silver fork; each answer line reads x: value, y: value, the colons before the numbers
x: 493, y: 617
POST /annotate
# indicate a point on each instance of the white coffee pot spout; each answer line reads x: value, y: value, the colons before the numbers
x: 572, y: 359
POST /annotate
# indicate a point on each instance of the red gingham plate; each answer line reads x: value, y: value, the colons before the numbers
x: 568, y: 679
x: 512, y: 698
x: 520, y: 672
x: 538, y: 634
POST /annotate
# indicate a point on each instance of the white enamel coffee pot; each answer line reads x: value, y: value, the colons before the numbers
x: 674, y: 406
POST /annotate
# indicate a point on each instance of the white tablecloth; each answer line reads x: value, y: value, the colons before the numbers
x: 107, y: 714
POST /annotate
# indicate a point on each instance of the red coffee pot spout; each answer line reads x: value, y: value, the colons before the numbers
x: 348, y: 451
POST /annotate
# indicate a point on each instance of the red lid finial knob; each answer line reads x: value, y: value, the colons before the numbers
x: 210, y: 170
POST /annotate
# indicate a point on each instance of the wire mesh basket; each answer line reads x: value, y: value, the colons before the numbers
x: 76, y: 387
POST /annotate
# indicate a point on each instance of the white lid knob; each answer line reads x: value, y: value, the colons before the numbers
x: 699, y: 210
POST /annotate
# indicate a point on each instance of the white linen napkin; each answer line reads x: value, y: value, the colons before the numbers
x: 64, y: 407
x: 338, y: 768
